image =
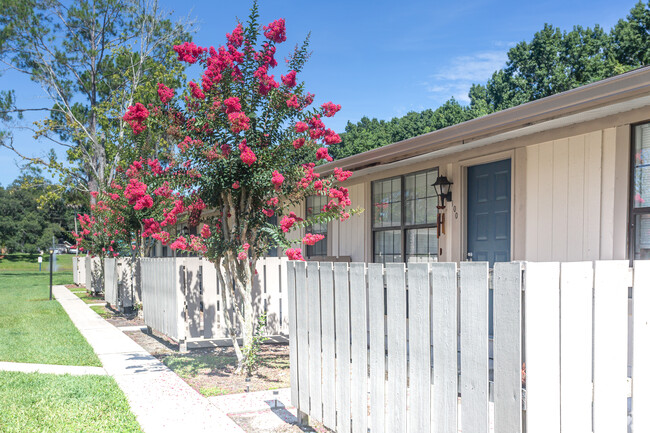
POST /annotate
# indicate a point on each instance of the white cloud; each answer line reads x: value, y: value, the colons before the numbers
x: 455, y: 78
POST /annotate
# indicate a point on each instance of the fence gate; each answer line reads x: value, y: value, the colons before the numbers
x: 399, y: 348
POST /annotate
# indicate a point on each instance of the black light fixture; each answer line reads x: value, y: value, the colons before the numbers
x: 443, y: 190
x: 51, y: 266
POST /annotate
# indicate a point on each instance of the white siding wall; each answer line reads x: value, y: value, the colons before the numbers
x: 571, y: 186
x: 349, y: 238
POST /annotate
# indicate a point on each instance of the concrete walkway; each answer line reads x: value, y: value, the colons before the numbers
x: 51, y: 368
x: 161, y: 401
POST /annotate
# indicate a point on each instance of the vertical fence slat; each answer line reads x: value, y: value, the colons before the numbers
x: 293, y: 340
x: 641, y: 353
x: 444, y: 329
x: 576, y: 295
x: 419, y: 289
x: 342, y: 311
x: 359, y: 335
x: 396, y: 327
x: 284, y: 329
x: 377, y: 346
x: 328, y: 347
x: 272, y: 272
x: 610, y: 346
x: 302, y: 333
x: 75, y: 276
x: 474, y: 346
x: 542, y: 312
x: 313, y: 295
x: 507, y: 348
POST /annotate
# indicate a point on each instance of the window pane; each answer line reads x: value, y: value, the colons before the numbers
x: 419, y: 195
x: 642, y: 166
x: 315, y: 205
x: 388, y: 246
x: 642, y: 237
x: 387, y: 203
x: 421, y: 245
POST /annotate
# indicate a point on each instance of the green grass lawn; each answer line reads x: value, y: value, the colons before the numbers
x: 29, y: 262
x: 88, y: 298
x: 33, y: 402
x: 34, y: 329
x: 102, y: 311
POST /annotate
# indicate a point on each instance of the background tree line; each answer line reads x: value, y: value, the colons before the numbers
x: 30, y: 217
x: 552, y: 62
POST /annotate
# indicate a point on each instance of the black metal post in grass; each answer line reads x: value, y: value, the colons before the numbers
x: 51, y: 266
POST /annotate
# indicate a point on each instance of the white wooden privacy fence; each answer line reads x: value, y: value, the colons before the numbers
x: 119, y: 285
x: 406, y: 349
x: 181, y: 297
x: 87, y: 271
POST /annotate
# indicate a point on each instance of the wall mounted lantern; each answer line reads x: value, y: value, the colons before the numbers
x: 443, y: 190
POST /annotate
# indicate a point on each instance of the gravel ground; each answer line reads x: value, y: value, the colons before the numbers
x: 211, y: 371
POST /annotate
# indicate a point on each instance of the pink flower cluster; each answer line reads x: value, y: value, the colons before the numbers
x: 232, y: 105
x: 205, y: 231
x: 311, y: 239
x: 322, y: 153
x: 238, y: 122
x: 163, y: 191
x: 189, y: 52
x: 277, y: 179
x: 165, y: 93
x: 237, y: 37
x: 155, y: 166
x: 247, y: 155
x: 179, y: 244
x: 162, y: 236
x: 196, y: 90
x: 276, y: 31
x: 341, y: 175
x: 294, y: 254
x: 293, y: 102
x: 288, y: 221
x: 151, y: 227
x: 289, y: 80
x: 309, y: 176
x: 331, y: 137
x: 301, y: 127
x: 135, y: 116
x: 136, y: 193
x: 171, y: 216
x: 330, y: 109
x: 298, y: 142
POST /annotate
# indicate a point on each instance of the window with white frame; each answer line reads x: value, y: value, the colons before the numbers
x: 404, y: 218
x: 315, y: 205
x: 640, y: 207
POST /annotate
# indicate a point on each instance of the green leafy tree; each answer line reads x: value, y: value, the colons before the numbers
x: 27, y: 223
x: 631, y: 37
x: 92, y: 58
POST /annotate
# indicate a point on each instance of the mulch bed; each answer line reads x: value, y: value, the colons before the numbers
x: 211, y: 371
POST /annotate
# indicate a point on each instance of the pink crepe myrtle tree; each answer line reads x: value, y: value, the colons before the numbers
x: 140, y: 203
x: 254, y: 141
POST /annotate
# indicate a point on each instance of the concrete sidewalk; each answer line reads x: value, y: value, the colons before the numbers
x: 161, y: 401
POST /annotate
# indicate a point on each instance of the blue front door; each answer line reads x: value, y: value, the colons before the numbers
x: 488, y: 212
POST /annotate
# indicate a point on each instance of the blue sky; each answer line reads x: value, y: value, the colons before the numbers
x: 376, y: 58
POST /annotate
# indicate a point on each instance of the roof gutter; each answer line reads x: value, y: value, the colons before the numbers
x: 608, y: 91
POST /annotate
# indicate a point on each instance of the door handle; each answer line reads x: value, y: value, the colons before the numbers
x: 469, y: 256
